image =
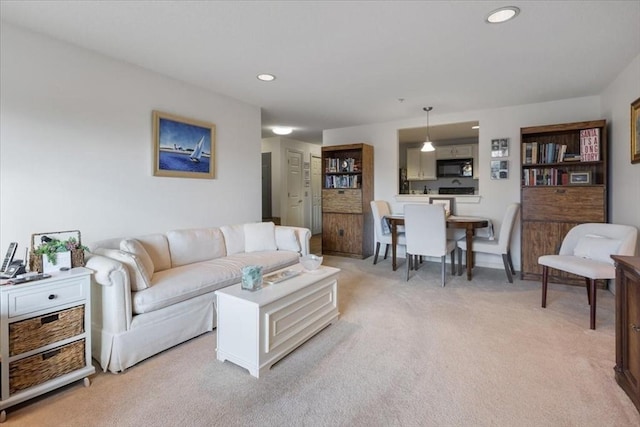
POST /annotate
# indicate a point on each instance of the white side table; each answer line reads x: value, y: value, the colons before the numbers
x: 45, y: 335
x: 256, y: 329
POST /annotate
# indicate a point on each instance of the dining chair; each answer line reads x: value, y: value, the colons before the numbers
x: 499, y: 245
x: 586, y: 251
x: 426, y: 235
x: 379, y: 209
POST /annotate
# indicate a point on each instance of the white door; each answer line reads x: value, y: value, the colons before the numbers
x: 316, y: 195
x: 295, y: 205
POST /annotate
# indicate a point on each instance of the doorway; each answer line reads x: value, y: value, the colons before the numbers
x: 316, y: 195
x: 267, y: 210
x: 295, y: 199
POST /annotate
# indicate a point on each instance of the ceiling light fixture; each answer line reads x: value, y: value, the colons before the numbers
x: 427, y: 145
x: 475, y: 127
x: 503, y: 14
x: 282, y: 130
x: 266, y: 77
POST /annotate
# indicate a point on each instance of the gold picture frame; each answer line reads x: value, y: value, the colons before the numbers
x: 182, y: 147
x: 635, y: 131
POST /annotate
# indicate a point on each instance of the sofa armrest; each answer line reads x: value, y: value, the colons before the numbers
x: 110, y: 294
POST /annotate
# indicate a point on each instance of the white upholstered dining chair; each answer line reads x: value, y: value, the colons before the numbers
x: 426, y: 234
x: 379, y: 209
x: 498, y: 245
x: 586, y: 251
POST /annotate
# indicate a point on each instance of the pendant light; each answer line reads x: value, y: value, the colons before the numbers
x: 427, y: 145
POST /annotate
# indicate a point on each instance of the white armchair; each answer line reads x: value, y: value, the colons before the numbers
x: 586, y: 251
x: 379, y: 209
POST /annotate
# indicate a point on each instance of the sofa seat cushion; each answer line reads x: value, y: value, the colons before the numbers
x: 178, y: 284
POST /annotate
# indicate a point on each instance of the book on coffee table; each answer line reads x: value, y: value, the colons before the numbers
x: 279, y: 276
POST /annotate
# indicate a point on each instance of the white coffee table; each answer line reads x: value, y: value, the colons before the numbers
x: 256, y: 329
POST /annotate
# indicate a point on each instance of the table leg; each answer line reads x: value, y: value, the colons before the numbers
x: 394, y: 240
x: 469, y: 234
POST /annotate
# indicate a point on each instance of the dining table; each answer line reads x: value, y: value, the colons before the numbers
x: 468, y: 223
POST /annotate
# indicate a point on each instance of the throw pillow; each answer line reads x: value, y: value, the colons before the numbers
x: 233, y: 238
x: 137, y: 278
x: 135, y: 247
x: 260, y: 236
x: 286, y: 239
x: 597, y: 248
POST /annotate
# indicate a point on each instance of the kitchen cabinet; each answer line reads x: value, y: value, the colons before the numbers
x: 421, y: 166
x: 454, y: 152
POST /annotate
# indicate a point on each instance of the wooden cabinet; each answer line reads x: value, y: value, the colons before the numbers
x: 627, y: 369
x: 558, y: 193
x: 454, y: 152
x: 421, y: 166
x: 347, y: 223
x: 45, y: 336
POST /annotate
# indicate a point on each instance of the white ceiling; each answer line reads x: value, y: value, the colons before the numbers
x: 344, y: 63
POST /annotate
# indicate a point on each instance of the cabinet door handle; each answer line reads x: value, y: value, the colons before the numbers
x: 52, y: 296
x: 635, y: 328
x: 48, y: 319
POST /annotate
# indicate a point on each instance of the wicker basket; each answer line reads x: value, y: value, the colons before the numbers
x: 77, y: 255
x: 39, y: 331
x: 42, y: 367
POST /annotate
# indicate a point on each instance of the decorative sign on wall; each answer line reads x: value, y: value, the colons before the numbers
x: 183, y: 147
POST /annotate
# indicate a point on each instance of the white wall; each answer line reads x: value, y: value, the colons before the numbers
x: 624, y: 194
x: 494, y: 123
x: 278, y: 147
x: 76, y: 147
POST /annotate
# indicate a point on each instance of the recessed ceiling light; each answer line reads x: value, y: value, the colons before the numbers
x: 475, y: 127
x: 266, y: 77
x: 503, y: 14
x: 282, y: 130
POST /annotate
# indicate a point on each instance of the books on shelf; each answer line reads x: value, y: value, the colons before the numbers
x: 342, y: 181
x: 545, y: 176
x: 590, y: 145
x: 536, y: 153
x: 335, y: 165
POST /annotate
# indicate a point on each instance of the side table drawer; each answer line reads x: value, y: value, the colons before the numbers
x: 37, y: 332
x: 45, y: 366
x: 44, y: 298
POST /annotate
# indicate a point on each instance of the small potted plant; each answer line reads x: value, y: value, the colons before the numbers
x: 53, y: 251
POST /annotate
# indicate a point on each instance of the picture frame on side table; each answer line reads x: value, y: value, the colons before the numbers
x: 579, y: 178
x: 635, y: 131
x: 182, y: 147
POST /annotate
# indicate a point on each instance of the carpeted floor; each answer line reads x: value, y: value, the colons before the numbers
x: 479, y: 353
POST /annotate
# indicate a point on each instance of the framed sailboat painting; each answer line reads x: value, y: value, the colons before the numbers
x: 182, y: 147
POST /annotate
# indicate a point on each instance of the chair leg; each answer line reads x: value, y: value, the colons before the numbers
x: 408, y: 265
x: 443, y: 267
x: 375, y: 256
x: 507, y: 268
x: 513, y: 270
x: 545, y: 276
x: 587, y: 283
x: 453, y: 262
x: 459, y: 261
x: 386, y: 251
x: 592, y: 291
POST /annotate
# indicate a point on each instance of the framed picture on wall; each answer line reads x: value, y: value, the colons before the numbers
x: 500, y: 147
x: 183, y: 148
x: 499, y: 169
x: 635, y: 131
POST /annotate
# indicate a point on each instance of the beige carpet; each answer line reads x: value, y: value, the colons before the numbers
x: 480, y: 353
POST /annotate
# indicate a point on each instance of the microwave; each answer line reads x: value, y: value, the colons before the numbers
x: 455, y: 168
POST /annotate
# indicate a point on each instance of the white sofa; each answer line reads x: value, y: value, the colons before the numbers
x: 152, y: 292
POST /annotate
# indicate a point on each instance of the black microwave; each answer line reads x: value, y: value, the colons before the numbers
x: 455, y: 168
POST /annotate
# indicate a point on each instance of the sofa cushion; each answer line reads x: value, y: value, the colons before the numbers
x: 139, y: 277
x: 260, y: 236
x: 195, y: 245
x: 157, y: 247
x: 233, y: 238
x: 135, y: 248
x: 181, y: 283
x: 286, y: 239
